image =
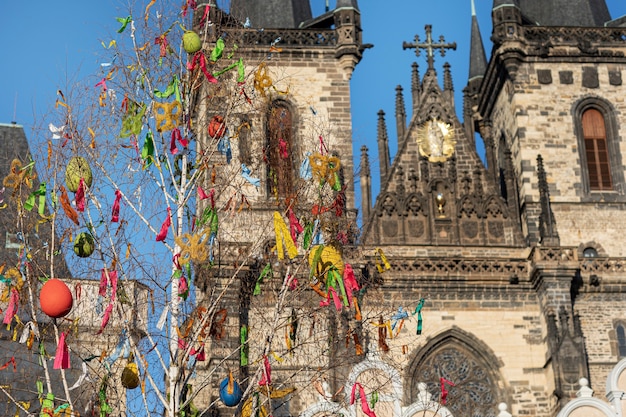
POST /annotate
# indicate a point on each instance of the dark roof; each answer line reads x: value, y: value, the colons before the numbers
x: 284, y: 14
x: 587, y: 13
x: 478, y: 59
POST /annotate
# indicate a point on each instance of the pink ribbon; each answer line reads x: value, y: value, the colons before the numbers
x: 165, y: 226
x: 295, y: 228
x: 199, y: 353
x: 162, y: 42
x: 103, y: 83
x: 444, y: 390
x: 12, y: 308
x: 106, y: 317
x: 199, y: 59
x: 282, y: 148
x: 115, y: 212
x: 336, y: 300
x: 349, y: 282
x: 176, y: 136
x: 205, y: 15
x: 62, y: 356
x: 183, y: 287
x: 266, y: 378
x: 190, y: 4
x: 364, y: 405
x: 105, y: 279
x: 202, y: 195
x: 80, y: 196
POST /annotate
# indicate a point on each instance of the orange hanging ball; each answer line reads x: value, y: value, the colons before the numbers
x: 55, y: 298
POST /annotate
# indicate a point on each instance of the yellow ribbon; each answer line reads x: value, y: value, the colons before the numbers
x: 383, y: 265
x: 282, y: 233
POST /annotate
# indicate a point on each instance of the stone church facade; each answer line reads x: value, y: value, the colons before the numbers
x: 481, y: 284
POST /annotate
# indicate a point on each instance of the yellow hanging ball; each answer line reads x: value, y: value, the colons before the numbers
x: 130, y: 376
x: 77, y: 168
x: 330, y: 256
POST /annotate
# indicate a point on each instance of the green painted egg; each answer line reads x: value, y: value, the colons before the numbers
x: 191, y: 42
x: 84, y: 245
x: 77, y: 168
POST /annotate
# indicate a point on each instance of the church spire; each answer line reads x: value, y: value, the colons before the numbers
x: 284, y: 14
x: 478, y: 60
x: 383, y: 146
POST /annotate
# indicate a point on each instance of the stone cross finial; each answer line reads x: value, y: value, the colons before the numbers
x: 429, y: 46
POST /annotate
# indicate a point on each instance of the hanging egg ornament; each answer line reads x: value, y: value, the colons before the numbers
x: 230, y: 391
x: 130, y: 376
x: 330, y: 256
x: 191, y: 42
x: 217, y: 127
x: 55, y: 298
x: 77, y: 168
x: 84, y: 245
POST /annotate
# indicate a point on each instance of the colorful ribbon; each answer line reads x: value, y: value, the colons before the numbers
x: 418, y: 311
x: 266, y: 272
x: 199, y: 59
x: 245, y: 173
x: 243, y: 346
x: 124, y: 21
x: 115, y: 211
x: 266, y: 377
x: 62, y: 356
x: 165, y: 226
x: 11, y: 310
x: 295, y: 228
x: 382, y: 264
x: 364, y: 405
x: 444, y: 390
x: 41, y: 204
x: 147, y: 152
x: 80, y: 196
x: 283, y: 234
x: 67, y: 206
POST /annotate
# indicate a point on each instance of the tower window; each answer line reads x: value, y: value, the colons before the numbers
x: 621, y: 340
x: 590, y: 253
x: 596, y: 151
x: 280, y: 149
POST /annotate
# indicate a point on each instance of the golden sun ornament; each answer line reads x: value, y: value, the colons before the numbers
x: 436, y: 140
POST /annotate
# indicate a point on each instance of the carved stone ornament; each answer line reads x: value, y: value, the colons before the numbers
x: 436, y: 140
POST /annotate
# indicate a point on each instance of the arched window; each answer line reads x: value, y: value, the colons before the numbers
x: 621, y: 340
x: 595, y: 125
x: 279, y: 150
x: 596, y: 150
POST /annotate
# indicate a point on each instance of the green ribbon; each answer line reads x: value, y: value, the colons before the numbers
x: 240, y: 70
x: 172, y: 88
x: 216, y: 53
x: 418, y: 311
x: 243, y: 347
x: 39, y: 385
x: 267, y: 271
x: 105, y: 408
x: 61, y: 408
x: 147, y: 152
x: 30, y: 201
x: 316, y: 257
x: 307, y: 235
x: 5, y: 280
x: 374, y: 399
x: 334, y: 280
x: 124, y: 21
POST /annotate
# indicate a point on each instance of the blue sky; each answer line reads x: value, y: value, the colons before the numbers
x: 46, y: 45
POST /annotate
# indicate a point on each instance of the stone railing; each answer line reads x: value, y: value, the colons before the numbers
x: 287, y: 38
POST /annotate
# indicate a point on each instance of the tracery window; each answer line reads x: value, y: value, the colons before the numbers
x: 279, y: 150
x: 470, y: 366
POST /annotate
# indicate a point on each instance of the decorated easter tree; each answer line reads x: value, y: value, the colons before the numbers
x: 151, y: 200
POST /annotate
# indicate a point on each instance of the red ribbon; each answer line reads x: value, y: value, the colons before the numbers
x: 199, y: 59
x: 444, y: 390
x: 105, y: 279
x: 266, y: 378
x: 115, y: 212
x: 282, y: 148
x: 80, y: 196
x: 177, y: 136
x: 191, y: 4
x: 165, y: 226
x: 103, y: 83
x: 12, y: 308
x: 295, y: 228
x: 349, y: 282
x: 62, y: 356
x: 364, y: 405
x: 162, y: 41
x: 9, y: 362
x: 204, y: 16
x: 202, y: 195
x: 199, y: 353
x: 106, y: 317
